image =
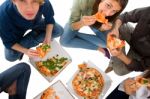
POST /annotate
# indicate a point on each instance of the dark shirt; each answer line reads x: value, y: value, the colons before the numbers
x: 13, y: 26
x: 140, y: 38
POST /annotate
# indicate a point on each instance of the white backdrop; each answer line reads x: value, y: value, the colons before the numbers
x: 38, y: 83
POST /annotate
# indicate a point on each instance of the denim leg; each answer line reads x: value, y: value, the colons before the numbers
x: 94, y: 39
x: 70, y: 38
x: 56, y: 32
x: 101, y: 35
x: 21, y: 70
x: 32, y: 39
x: 12, y: 55
x: 35, y: 37
x: 22, y: 82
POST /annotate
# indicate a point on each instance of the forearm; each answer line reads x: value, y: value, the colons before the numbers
x: 77, y: 25
x: 19, y: 48
x: 132, y: 64
x: 118, y: 23
x: 49, y: 28
x: 124, y: 58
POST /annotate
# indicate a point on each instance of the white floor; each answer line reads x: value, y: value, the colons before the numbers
x: 38, y: 83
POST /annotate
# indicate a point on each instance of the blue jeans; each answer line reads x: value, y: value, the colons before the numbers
x: 32, y: 39
x: 19, y: 73
x: 76, y: 39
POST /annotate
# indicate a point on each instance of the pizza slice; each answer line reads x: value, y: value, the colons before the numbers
x: 43, y: 49
x: 101, y: 18
x: 114, y: 43
x: 143, y: 81
x: 51, y: 66
x: 49, y: 93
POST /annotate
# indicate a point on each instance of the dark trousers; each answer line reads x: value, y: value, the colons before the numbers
x: 116, y: 94
x: 19, y: 73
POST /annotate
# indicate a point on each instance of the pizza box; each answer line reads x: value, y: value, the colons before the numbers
x: 60, y: 89
x: 56, y: 49
x: 107, y: 81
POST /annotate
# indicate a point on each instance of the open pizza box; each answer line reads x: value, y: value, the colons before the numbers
x: 60, y: 91
x: 56, y: 50
x: 107, y: 81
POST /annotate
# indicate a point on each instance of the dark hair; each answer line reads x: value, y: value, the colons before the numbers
x: 147, y: 74
x: 122, y: 3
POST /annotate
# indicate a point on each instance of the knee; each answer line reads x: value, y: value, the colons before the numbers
x: 59, y: 30
x: 25, y: 67
x: 10, y: 59
x: 63, y: 41
x: 11, y: 55
x: 119, y: 73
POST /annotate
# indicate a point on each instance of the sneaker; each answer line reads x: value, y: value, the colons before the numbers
x: 108, y: 69
x: 107, y: 54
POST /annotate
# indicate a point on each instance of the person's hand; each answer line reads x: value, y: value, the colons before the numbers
x: 106, y: 27
x: 130, y: 86
x: 47, y: 40
x: 114, y: 32
x: 116, y: 52
x: 88, y: 20
x: 32, y: 53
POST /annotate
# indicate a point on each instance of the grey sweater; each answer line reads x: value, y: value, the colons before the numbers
x: 140, y: 38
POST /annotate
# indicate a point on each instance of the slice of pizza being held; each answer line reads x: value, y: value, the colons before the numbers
x: 88, y: 82
x: 43, y: 49
x: 101, y: 18
x: 143, y: 81
x: 114, y: 43
x: 49, y: 93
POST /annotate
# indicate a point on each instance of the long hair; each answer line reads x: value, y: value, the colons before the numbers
x: 122, y: 3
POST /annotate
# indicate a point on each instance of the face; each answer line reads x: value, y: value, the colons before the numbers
x: 109, y: 7
x: 27, y: 8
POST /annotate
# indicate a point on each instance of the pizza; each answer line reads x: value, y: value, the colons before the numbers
x: 51, y: 66
x: 143, y: 81
x: 88, y: 82
x: 101, y: 18
x: 114, y: 43
x: 49, y: 93
x: 43, y: 49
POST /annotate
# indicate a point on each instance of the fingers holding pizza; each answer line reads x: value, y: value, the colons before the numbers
x: 142, y: 81
x: 115, y: 45
x: 43, y: 49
